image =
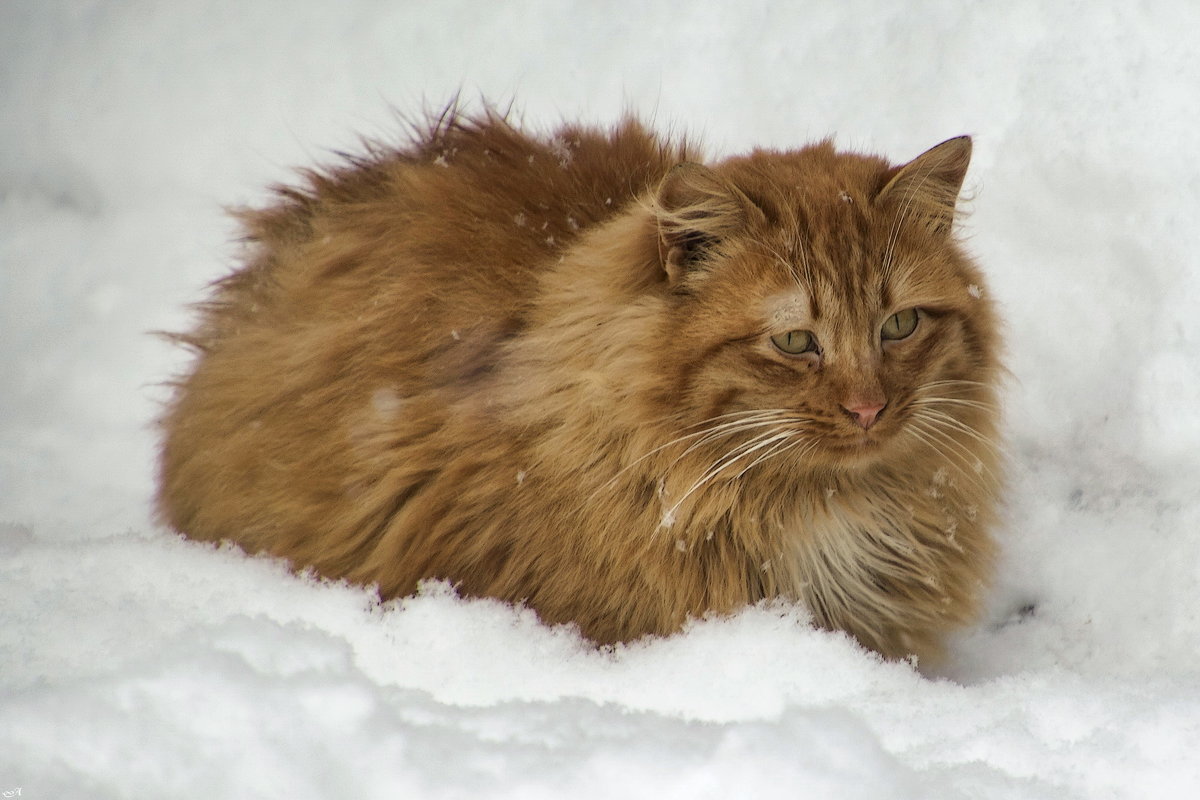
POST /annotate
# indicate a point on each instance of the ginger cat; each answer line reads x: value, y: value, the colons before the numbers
x: 586, y: 373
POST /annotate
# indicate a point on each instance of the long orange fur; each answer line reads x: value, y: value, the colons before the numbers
x: 542, y: 368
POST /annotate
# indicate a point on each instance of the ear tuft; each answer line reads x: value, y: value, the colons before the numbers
x: 696, y: 208
x: 925, y: 190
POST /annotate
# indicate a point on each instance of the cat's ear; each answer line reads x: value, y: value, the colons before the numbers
x: 696, y: 208
x: 925, y: 190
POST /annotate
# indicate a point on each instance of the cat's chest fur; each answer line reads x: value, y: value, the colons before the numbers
x: 910, y: 549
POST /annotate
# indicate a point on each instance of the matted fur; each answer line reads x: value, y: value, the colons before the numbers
x: 542, y: 368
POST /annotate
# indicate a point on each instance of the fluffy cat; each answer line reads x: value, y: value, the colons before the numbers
x: 585, y: 373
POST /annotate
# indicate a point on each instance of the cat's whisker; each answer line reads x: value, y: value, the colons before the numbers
x: 730, y: 429
x: 778, y: 450
x: 926, y: 403
x: 738, y: 428
x: 956, y: 382
x: 729, y: 459
x: 932, y: 415
x: 745, y: 421
x: 723, y: 422
x: 970, y: 465
x: 941, y: 419
x: 749, y: 412
x: 677, y: 418
x: 730, y: 456
x: 946, y: 404
x: 739, y: 416
x: 951, y: 422
x: 734, y: 450
x: 739, y: 450
x: 940, y: 388
x: 768, y: 440
x: 925, y: 436
x: 955, y: 401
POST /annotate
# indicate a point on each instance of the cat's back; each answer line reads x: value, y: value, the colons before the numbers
x: 386, y: 264
x: 470, y: 204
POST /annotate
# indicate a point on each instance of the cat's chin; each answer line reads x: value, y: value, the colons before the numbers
x: 857, y: 452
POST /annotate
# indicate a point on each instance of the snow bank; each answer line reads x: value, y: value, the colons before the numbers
x: 134, y: 664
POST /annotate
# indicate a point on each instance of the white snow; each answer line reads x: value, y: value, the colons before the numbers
x: 135, y: 664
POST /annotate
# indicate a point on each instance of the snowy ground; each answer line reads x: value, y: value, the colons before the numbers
x: 133, y: 664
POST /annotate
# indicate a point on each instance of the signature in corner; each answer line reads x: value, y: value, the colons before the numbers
x: 11, y: 792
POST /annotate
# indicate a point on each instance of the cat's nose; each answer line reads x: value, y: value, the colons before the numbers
x: 864, y: 413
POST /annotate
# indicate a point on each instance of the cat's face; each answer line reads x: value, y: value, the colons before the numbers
x: 838, y: 322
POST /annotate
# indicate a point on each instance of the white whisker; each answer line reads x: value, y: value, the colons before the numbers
x: 932, y: 415
x: 729, y: 459
x: 778, y: 450
x: 970, y: 464
x: 926, y: 436
x: 735, y: 422
x: 954, y: 401
x: 954, y: 382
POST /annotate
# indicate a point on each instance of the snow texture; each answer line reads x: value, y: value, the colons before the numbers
x: 135, y: 664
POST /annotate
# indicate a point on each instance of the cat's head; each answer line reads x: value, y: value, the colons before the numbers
x: 824, y: 293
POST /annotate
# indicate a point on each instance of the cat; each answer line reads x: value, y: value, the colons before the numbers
x: 586, y: 373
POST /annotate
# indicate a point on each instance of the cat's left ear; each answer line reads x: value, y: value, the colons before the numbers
x: 925, y: 190
x: 696, y: 208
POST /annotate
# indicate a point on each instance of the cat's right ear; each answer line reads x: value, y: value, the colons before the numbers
x: 696, y: 209
x: 925, y: 190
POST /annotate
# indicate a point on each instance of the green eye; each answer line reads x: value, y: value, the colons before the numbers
x: 900, y: 325
x: 795, y: 342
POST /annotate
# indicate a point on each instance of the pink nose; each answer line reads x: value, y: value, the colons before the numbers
x: 864, y: 414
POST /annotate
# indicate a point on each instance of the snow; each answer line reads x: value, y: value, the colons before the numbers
x: 136, y: 664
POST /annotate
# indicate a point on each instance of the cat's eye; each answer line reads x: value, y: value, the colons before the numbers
x: 795, y: 342
x: 900, y: 325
